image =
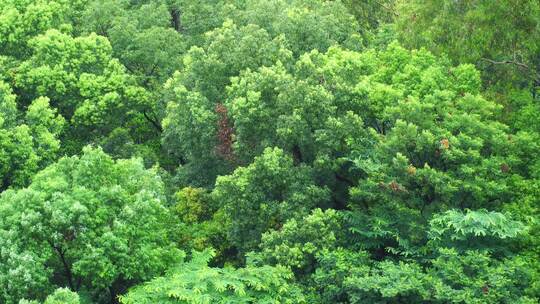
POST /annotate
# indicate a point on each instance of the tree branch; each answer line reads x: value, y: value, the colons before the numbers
x: 153, y: 122
x: 535, y: 74
x: 520, y: 64
x: 389, y: 9
x: 176, y: 22
x: 67, y: 268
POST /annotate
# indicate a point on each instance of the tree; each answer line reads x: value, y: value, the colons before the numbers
x: 60, y: 296
x: 200, y: 223
x: 459, y: 264
x: 88, y: 223
x: 86, y: 84
x: 469, y: 277
x: 478, y: 229
x: 334, y: 267
x: 21, y: 20
x: 300, y: 241
x: 371, y: 14
x: 525, y: 208
x: 305, y: 25
x: 227, y: 51
x: 195, y: 120
x: 253, y: 35
x: 190, y: 137
x: 28, y: 141
x: 195, y: 282
x: 264, y: 195
x: 499, y: 37
x: 286, y: 111
x: 141, y: 37
x: 198, y: 17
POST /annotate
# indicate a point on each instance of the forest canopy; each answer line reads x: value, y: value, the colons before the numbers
x: 269, y: 151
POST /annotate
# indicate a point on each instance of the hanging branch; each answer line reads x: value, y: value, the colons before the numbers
x: 520, y: 64
x: 535, y: 75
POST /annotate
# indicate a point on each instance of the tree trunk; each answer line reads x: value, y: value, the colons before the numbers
x: 176, y: 23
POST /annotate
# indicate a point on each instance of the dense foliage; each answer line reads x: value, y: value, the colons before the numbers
x: 283, y: 151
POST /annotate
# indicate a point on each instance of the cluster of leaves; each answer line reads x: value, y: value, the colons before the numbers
x: 304, y: 151
x: 87, y: 223
x: 28, y: 141
x: 501, y: 39
x: 194, y: 282
x: 60, y: 296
